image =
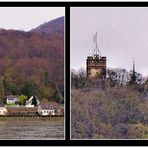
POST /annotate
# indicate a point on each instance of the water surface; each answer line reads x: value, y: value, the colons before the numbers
x: 31, y: 130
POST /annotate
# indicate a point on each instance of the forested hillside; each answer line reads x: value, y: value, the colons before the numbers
x: 32, y: 63
x: 54, y: 26
x: 114, y: 108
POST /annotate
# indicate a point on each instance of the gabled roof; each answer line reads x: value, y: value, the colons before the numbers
x: 49, y: 105
x: 10, y: 98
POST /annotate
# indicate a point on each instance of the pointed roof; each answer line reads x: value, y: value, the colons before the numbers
x: 133, y: 75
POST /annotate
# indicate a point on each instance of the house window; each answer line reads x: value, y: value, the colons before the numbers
x: 44, y: 111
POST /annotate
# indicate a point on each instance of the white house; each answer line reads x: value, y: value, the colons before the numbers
x: 3, y: 111
x: 46, y: 110
x: 12, y: 100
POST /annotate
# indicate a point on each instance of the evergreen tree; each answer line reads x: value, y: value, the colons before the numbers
x: 34, y: 101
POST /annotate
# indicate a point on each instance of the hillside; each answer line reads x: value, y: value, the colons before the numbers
x: 112, y: 108
x: 54, y: 26
x: 32, y: 64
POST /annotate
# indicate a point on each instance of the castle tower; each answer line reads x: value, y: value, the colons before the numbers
x: 96, y: 64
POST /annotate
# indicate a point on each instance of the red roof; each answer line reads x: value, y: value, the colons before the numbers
x: 21, y: 109
x: 49, y: 105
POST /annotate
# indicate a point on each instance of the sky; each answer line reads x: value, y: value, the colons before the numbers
x: 27, y: 18
x: 122, y: 36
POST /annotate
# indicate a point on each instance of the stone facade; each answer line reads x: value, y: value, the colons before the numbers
x: 96, y: 66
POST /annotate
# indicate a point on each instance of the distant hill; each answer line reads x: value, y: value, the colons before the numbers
x: 53, y: 26
x: 33, y: 62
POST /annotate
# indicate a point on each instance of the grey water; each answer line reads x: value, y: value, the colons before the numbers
x: 31, y: 130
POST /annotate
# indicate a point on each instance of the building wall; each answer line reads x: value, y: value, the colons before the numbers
x: 3, y: 111
x: 48, y: 112
x: 96, y: 66
x: 10, y: 101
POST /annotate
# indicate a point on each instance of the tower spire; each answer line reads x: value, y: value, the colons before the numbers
x: 133, y: 75
x: 133, y: 66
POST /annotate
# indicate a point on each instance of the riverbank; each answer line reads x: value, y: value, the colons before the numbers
x: 51, y: 119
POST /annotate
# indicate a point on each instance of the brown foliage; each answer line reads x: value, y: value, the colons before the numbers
x: 27, y: 56
x: 112, y: 113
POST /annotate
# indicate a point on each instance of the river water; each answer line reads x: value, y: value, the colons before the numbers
x: 31, y: 130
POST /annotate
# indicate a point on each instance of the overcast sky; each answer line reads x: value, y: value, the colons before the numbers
x: 26, y: 18
x: 122, y: 36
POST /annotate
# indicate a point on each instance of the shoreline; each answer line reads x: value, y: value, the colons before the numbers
x: 19, y: 119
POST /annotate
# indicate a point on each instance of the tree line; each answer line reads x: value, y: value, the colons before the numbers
x: 117, y: 77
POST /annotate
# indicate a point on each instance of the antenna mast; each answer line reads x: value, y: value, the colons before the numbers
x: 96, y: 52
